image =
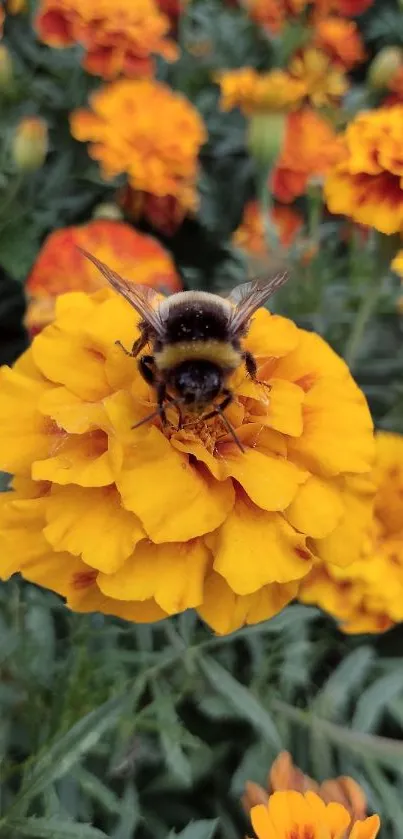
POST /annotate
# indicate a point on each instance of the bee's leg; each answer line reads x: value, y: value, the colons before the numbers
x: 251, y: 368
x: 137, y: 346
x: 219, y: 411
x: 161, y: 397
x: 146, y: 365
x: 176, y: 403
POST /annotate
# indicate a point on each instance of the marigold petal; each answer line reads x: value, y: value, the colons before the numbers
x: 271, y: 482
x: 91, y: 523
x: 226, y: 611
x: 25, y: 434
x: 346, y: 542
x: 271, y: 336
x: 262, y: 823
x: 285, y: 407
x: 173, y: 574
x: 253, y: 548
x: 317, y: 508
x: 91, y: 599
x: 70, y: 413
x: 82, y: 460
x: 367, y: 829
x: 67, y: 360
x: 150, y: 470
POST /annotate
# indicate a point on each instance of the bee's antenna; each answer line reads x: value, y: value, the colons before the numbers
x: 158, y: 413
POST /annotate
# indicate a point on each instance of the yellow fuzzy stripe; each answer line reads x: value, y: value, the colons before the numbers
x: 219, y: 352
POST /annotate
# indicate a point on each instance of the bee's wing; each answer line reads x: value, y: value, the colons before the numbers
x: 247, y: 298
x: 143, y: 298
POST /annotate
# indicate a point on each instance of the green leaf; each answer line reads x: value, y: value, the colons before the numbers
x: 203, y: 829
x: 62, y: 755
x: 372, y: 703
x: 346, y: 678
x: 170, y: 734
x: 129, y: 816
x: 241, y: 699
x: 52, y: 829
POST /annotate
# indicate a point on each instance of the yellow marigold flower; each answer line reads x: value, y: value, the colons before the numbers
x: 284, y: 775
x: 254, y: 92
x: 368, y: 595
x: 157, y: 146
x: 368, y: 184
x: 341, y: 40
x: 143, y: 523
x: 250, y: 235
x: 60, y: 266
x: 119, y: 37
x: 323, y: 81
x: 292, y: 814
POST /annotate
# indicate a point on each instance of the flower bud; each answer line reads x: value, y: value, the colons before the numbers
x: 266, y: 136
x: 30, y: 144
x: 384, y: 66
x: 108, y: 210
x: 6, y: 68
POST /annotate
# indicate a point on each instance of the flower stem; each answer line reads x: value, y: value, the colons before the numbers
x: 386, y: 247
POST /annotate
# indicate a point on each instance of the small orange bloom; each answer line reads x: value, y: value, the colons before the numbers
x: 60, y: 266
x: 345, y: 8
x: 119, y: 37
x: 341, y: 40
x: 367, y: 184
x: 291, y: 815
x: 250, y: 234
x: 317, y: 151
x: 324, y: 82
x: 284, y: 776
x: 156, y: 146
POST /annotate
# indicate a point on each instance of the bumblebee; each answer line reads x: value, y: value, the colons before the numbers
x: 195, y: 339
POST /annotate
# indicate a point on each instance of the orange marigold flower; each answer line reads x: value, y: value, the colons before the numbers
x: 2, y: 19
x: 324, y: 82
x: 60, y: 266
x: 146, y: 522
x: 250, y: 235
x: 368, y: 595
x: 367, y: 184
x: 284, y: 775
x: 158, y: 147
x: 292, y: 813
x: 253, y: 92
x: 317, y: 151
x: 341, y: 40
x: 164, y: 213
x: 119, y: 37
x: 273, y: 14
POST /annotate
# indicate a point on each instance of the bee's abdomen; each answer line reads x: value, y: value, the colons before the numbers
x: 221, y: 353
x: 196, y: 323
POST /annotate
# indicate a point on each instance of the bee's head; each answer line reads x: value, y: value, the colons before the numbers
x: 197, y: 382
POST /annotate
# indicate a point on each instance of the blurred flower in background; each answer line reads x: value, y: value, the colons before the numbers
x: 367, y: 184
x: 60, y: 266
x: 156, y: 146
x: 250, y: 235
x: 164, y: 212
x: 292, y: 813
x: 368, y: 595
x: 324, y: 82
x: 119, y: 37
x: 341, y: 40
x: 284, y: 775
x: 74, y: 398
x: 255, y: 92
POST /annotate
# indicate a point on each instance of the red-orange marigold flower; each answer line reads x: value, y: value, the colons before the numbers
x: 250, y: 234
x: 341, y: 40
x: 145, y: 129
x: 273, y: 14
x: 346, y: 8
x: 60, y: 266
x: 318, y: 149
x: 164, y: 213
x: 119, y: 37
